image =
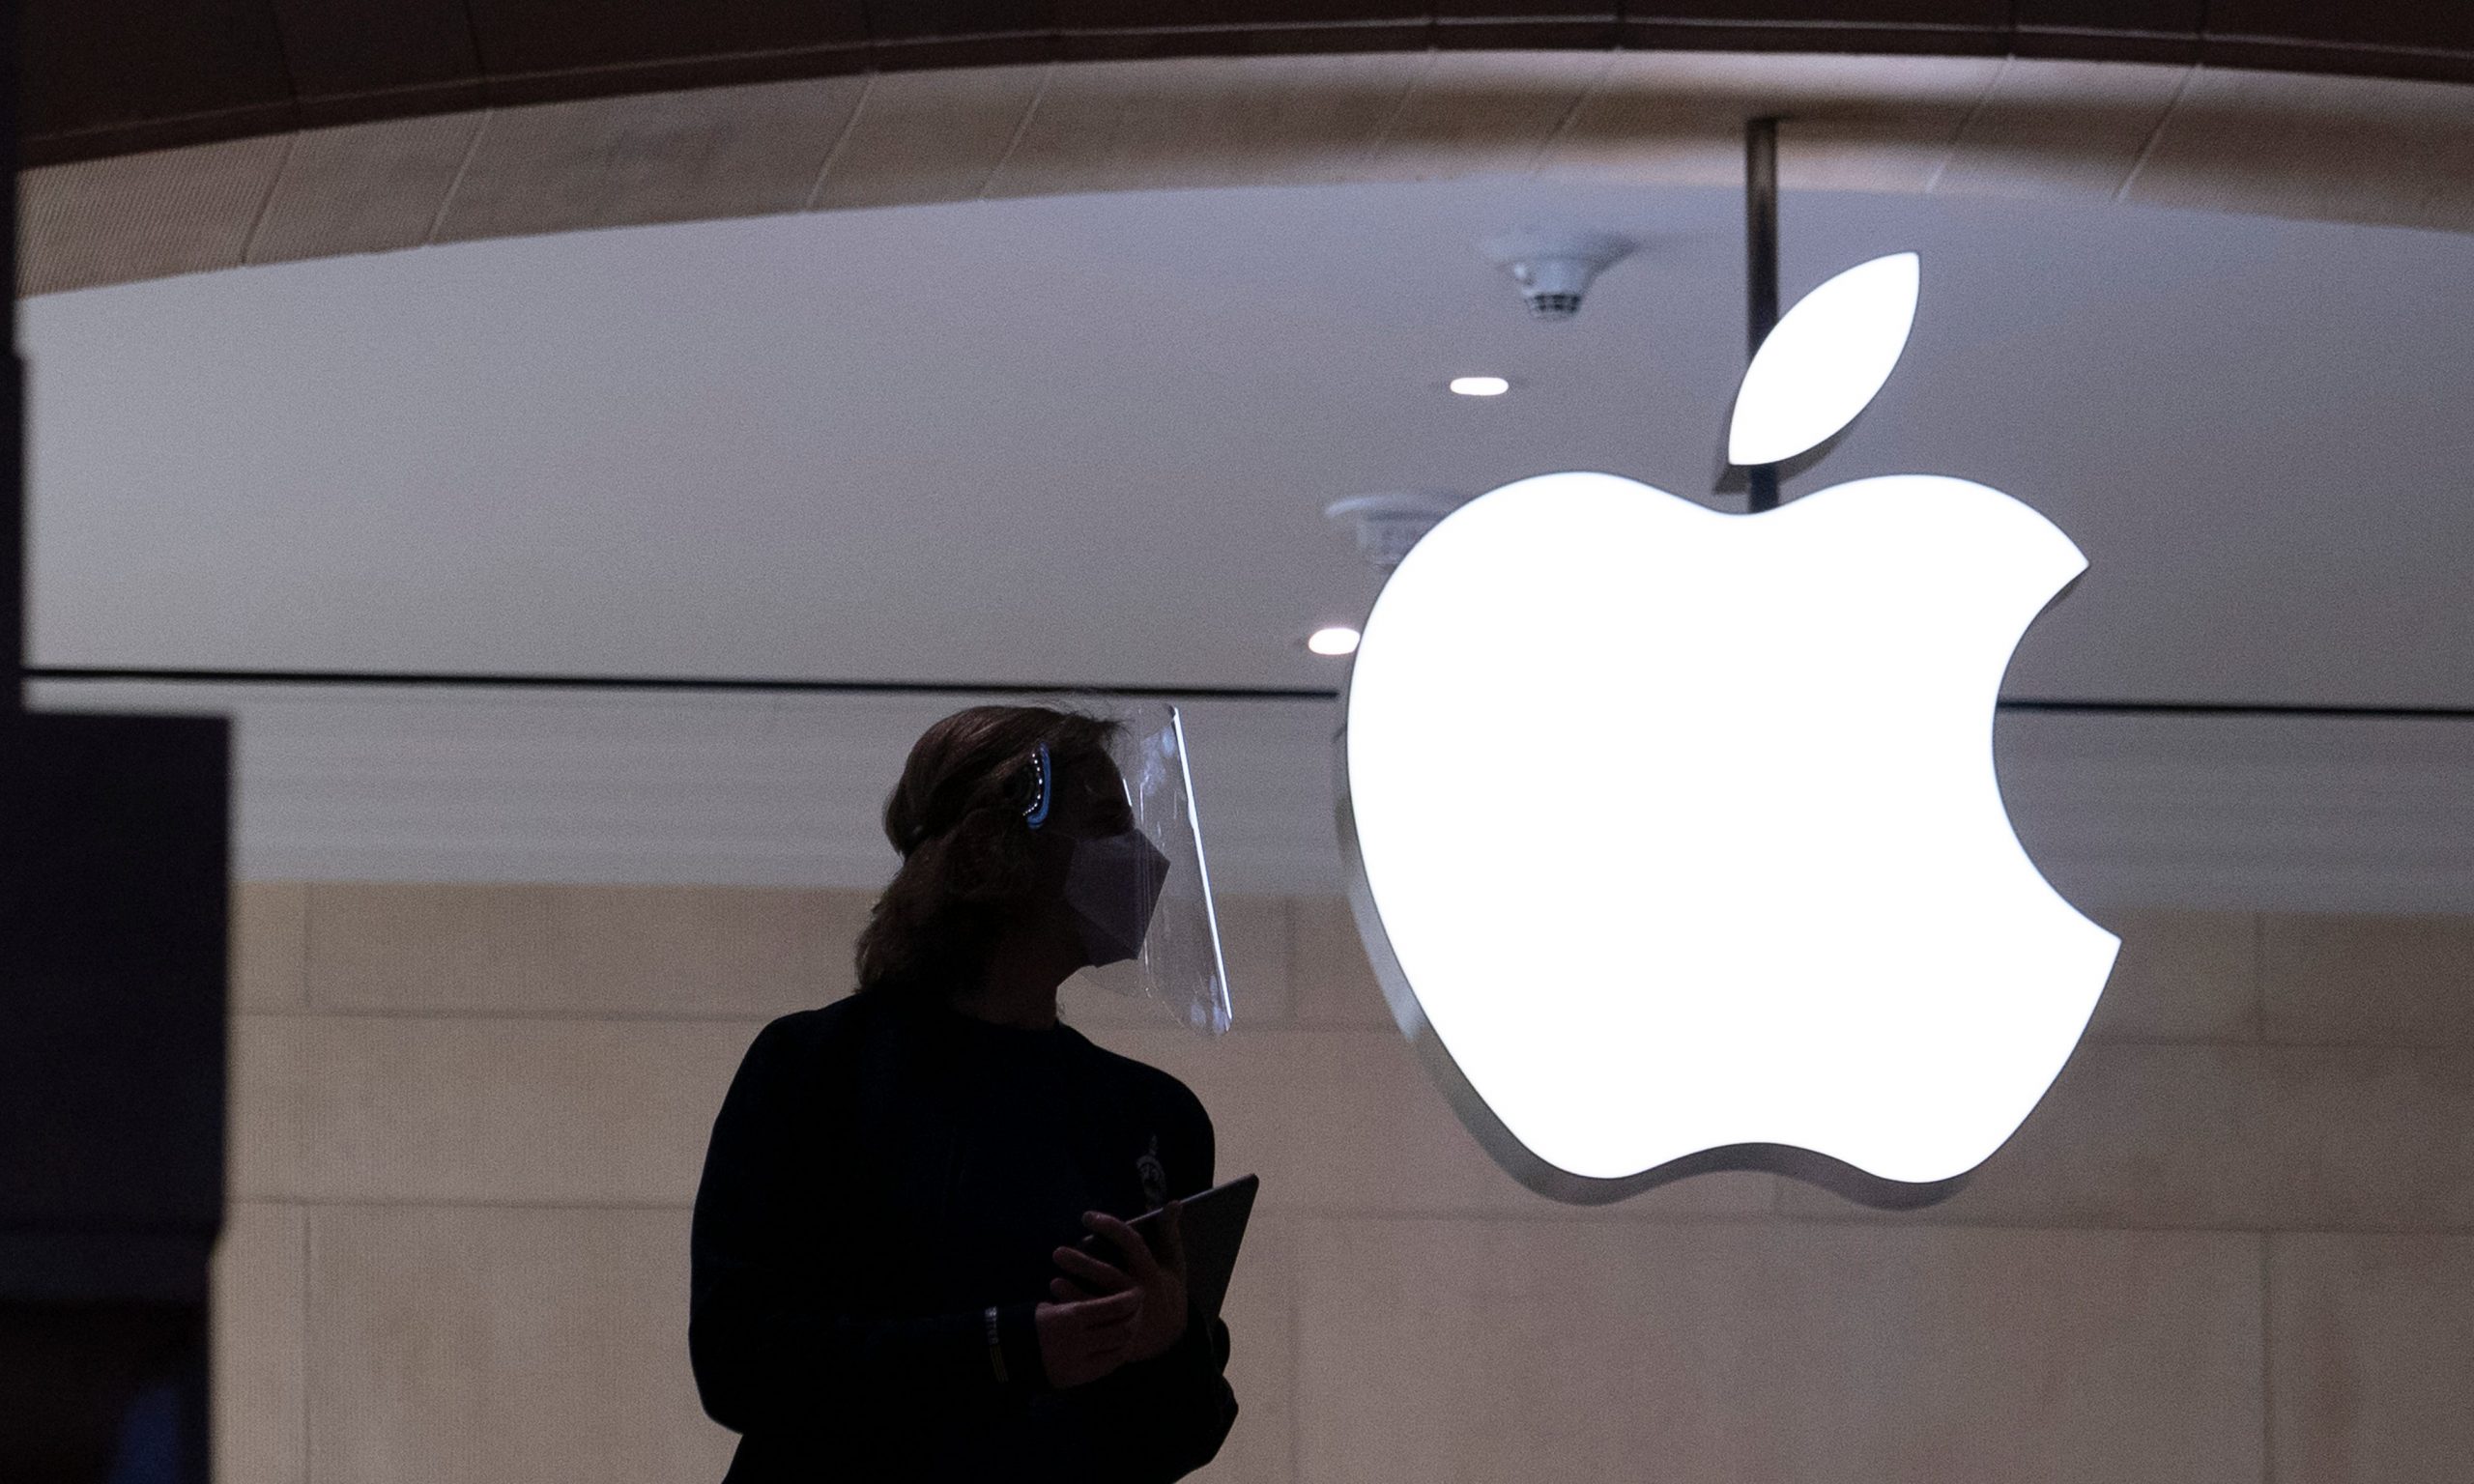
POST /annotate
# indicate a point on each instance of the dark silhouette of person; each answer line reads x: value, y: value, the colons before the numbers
x: 887, y: 1276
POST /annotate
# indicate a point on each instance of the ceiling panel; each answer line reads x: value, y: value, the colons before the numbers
x: 1087, y: 440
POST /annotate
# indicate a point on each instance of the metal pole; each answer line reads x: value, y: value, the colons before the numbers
x: 1761, y: 273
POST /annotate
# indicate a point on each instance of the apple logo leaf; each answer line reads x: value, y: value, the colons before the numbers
x: 1826, y: 361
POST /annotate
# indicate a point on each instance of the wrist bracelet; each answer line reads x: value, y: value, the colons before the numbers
x: 995, y: 1346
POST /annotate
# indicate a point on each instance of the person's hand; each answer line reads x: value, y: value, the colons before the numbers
x: 1083, y: 1340
x: 1159, y: 1278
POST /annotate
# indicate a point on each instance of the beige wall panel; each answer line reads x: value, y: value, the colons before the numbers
x: 485, y: 1346
x: 2200, y: 1136
x: 1262, y: 1356
x: 1332, y: 982
x: 1717, y: 1352
x: 2379, y: 980
x: 1853, y: 124
x: 443, y: 946
x: 2181, y: 976
x: 929, y: 136
x: 261, y: 1316
x: 1107, y: 129
x: 1662, y: 119
x: 2059, y: 131
x: 2372, y: 1365
x: 655, y: 156
x: 267, y: 1146
x: 455, y: 1344
x: 1347, y: 1121
x: 268, y: 944
x: 1253, y: 933
x: 2129, y: 1135
x: 2369, y: 1139
x: 2341, y: 149
x: 1483, y: 113
x: 399, y: 1108
x: 1405, y: 1308
x: 683, y: 951
x: 143, y: 216
x: 770, y: 949
x: 1206, y: 122
x: 363, y: 188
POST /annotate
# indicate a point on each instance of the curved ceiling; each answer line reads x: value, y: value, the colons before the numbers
x: 2086, y: 133
x: 109, y: 76
x: 1087, y: 439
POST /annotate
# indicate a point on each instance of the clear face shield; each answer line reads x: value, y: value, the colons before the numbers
x: 1140, y: 896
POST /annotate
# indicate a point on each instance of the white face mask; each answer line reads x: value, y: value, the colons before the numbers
x: 1111, y: 885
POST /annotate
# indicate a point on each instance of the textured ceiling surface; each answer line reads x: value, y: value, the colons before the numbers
x: 108, y: 76
x: 1086, y: 439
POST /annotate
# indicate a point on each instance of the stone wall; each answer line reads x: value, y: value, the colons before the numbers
x: 2237, y: 1244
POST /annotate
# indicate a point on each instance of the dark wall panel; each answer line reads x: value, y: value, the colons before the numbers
x: 91, y: 66
x: 1171, y: 15
x: 114, y: 845
x: 1961, y: 14
x: 890, y: 20
x: 2131, y: 17
x: 409, y: 49
x: 1163, y: 28
x: 960, y: 33
x: 114, y: 899
x: 1575, y: 25
x: 2446, y: 25
x: 1963, y: 27
x: 551, y: 36
x: 2435, y: 40
x: 2110, y: 30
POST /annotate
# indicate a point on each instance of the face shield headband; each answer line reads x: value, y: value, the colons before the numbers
x: 1141, y: 898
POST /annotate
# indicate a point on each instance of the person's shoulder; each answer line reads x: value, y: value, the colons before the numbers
x: 1159, y: 1089
x: 807, y: 1032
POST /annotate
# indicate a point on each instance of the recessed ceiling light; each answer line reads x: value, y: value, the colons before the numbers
x: 1479, y: 385
x: 1336, y: 639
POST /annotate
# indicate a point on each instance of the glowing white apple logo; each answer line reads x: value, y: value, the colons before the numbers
x: 1673, y: 835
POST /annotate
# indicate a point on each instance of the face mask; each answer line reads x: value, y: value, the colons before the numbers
x: 1111, y: 885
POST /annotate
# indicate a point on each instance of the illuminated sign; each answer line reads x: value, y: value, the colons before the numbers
x: 1674, y: 834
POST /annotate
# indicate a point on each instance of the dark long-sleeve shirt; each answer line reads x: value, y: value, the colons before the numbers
x: 883, y: 1171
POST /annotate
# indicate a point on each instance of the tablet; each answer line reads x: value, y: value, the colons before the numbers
x: 1214, y: 1226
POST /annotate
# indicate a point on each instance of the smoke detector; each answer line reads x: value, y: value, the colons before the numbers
x: 1391, y: 523
x: 1554, y: 268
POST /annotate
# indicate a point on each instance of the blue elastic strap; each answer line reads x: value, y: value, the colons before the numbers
x: 1041, y: 775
